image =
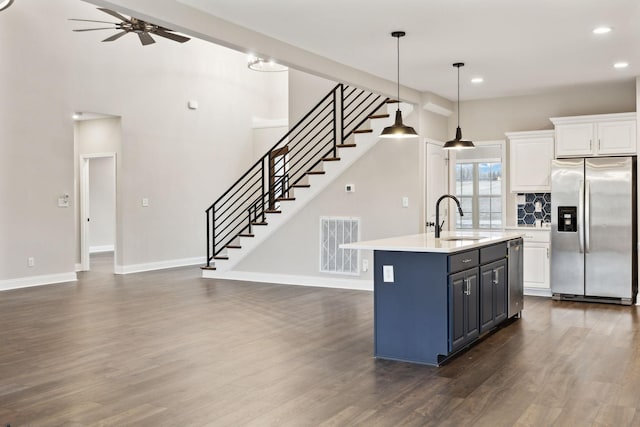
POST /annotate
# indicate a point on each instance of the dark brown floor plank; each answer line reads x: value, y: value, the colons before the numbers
x: 171, y: 348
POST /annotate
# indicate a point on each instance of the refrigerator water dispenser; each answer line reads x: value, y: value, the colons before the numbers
x: 567, y: 219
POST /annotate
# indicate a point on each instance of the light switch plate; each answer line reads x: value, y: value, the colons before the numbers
x: 145, y: 202
x: 387, y: 273
x: 405, y: 202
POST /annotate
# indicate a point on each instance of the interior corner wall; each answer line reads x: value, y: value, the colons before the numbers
x: 434, y: 126
x: 179, y: 158
x: 489, y: 119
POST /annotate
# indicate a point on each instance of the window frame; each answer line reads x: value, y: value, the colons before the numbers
x: 453, y: 161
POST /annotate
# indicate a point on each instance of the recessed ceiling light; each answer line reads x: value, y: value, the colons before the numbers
x: 621, y: 64
x: 601, y: 30
x: 477, y: 80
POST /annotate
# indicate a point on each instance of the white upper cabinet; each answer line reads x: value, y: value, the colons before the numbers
x: 600, y: 135
x: 530, y: 155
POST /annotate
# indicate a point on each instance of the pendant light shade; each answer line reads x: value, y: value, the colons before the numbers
x: 458, y: 143
x: 398, y: 130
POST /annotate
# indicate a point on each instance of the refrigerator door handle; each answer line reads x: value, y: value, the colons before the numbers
x: 581, y: 217
x: 587, y: 215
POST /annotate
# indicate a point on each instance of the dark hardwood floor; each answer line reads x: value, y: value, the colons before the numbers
x: 169, y: 348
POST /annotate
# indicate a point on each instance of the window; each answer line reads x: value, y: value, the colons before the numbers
x: 479, y: 188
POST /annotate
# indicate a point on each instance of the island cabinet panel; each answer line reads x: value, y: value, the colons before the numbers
x: 493, y: 294
x: 434, y: 305
x: 411, y: 312
x: 463, y: 308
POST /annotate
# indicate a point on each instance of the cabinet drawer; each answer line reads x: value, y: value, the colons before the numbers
x: 463, y: 261
x: 493, y: 252
x: 537, y: 236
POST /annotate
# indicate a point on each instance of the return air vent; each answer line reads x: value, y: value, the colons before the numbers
x: 335, y: 231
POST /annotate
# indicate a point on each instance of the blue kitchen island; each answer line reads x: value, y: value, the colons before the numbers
x: 433, y: 297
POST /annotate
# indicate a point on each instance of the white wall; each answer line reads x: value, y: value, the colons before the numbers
x: 180, y: 159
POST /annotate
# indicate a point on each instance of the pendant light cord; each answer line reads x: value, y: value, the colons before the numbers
x: 458, y: 96
x: 398, y: 49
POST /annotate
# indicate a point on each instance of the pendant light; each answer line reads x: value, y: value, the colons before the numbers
x: 458, y: 143
x: 398, y: 130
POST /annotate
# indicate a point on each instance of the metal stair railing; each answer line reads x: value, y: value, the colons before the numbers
x: 314, y: 138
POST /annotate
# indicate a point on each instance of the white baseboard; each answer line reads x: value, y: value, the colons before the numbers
x: 47, y: 279
x: 288, y: 279
x: 537, y: 292
x: 103, y: 248
x: 78, y: 267
x: 159, y: 265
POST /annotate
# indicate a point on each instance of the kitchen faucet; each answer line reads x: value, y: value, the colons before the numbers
x: 438, y: 226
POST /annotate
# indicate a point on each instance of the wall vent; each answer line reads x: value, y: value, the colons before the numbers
x: 335, y: 231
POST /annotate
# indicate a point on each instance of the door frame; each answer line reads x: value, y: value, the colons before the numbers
x: 85, y: 208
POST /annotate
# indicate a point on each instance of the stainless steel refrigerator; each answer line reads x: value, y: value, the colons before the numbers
x: 594, y: 229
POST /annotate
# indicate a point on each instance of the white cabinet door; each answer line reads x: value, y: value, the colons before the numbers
x: 617, y: 137
x: 530, y: 162
x: 598, y: 135
x: 574, y: 140
x: 536, y: 265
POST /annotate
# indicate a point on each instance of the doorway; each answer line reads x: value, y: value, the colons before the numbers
x: 278, y: 176
x: 98, y: 211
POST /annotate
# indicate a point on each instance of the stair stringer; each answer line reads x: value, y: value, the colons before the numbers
x: 333, y: 169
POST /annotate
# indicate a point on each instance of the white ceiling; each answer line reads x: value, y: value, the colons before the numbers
x: 517, y: 46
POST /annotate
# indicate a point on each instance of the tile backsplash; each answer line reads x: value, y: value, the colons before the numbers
x: 535, y: 206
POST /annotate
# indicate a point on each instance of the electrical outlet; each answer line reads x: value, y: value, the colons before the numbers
x: 365, y: 265
x: 387, y: 273
x: 31, y: 261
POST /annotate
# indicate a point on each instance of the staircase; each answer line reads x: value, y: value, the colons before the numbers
x: 344, y: 125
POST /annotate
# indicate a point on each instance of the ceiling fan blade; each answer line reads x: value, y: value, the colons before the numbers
x: 145, y: 39
x: 91, y: 20
x: 115, y: 36
x: 175, y: 37
x: 94, y: 29
x: 114, y: 14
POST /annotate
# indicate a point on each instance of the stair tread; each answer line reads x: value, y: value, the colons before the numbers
x: 221, y: 257
x: 345, y: 145
x: 331, y: 159
x: 379, y: 116
x: 207, y: 267
x: 301, y: 186
x: 233, y: 246
x: 246, y: 235
x: 272, y: 211
x: 392, y: 101
x: 285, y: 199
x: 259, y: 223
x: 363, y: 131
x: 316, y: 172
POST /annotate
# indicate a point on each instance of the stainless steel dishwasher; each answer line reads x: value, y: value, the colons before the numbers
x: 515, y: 286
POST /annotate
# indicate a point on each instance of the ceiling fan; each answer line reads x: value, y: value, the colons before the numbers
x: 133, y: 25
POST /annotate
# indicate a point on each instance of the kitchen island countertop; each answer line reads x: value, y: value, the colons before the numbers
x: 449, y: 242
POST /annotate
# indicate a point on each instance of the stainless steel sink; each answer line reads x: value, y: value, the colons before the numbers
x: 455, y: 238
